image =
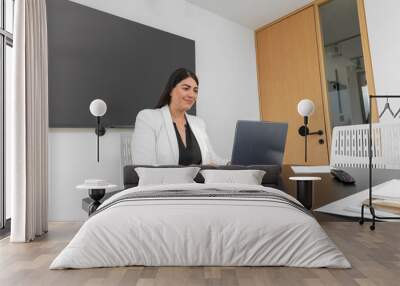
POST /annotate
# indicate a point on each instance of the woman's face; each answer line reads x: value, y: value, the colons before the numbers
x: 184, y: 94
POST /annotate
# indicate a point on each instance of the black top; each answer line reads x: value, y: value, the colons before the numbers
x: 191, y: 154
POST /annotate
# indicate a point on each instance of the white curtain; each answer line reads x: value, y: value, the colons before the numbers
x: 27, y: 122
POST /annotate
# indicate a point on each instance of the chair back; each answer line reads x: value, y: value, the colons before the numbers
x: 349, y: 146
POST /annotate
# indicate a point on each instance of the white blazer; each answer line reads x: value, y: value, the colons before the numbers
x: 154, y: 139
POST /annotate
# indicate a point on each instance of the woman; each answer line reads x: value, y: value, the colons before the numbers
x: 168, y: 135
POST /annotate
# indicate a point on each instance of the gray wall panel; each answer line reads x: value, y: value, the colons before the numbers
x: 93, y: 54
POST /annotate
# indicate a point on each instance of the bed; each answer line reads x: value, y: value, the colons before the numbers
x: 201, y: 224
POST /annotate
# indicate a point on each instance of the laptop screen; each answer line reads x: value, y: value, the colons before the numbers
x: 259, y: 143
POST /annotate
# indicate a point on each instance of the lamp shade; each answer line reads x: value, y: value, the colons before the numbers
x: 98, y: 107
x: 305, y: 107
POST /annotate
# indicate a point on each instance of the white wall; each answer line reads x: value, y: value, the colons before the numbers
x: 225, y: 64
x: 383, y: 23
x: 72, y: 159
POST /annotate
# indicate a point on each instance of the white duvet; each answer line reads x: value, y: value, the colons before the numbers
x: 200, y: 231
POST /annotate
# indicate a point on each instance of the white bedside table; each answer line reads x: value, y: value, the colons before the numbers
x: 96, y: 190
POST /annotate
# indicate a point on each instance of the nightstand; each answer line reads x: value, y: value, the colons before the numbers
x: 305, y: 189
x: 96, y: 190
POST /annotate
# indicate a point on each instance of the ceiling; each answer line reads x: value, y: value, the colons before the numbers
x: 251, y: 13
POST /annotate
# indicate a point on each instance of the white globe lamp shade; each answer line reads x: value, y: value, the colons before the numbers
x: 98, y: 107
x: 305, y: 107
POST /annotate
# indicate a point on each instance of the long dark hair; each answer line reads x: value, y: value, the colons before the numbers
x: 176, y: 77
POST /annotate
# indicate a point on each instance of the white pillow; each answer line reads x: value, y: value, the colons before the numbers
x: 162, y: 176
x: 248, y: 177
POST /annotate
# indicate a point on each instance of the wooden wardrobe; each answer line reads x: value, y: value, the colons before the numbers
x: 289, y: 70
x: 290, y: 65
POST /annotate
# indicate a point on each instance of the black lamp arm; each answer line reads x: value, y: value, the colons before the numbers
x: 319, y: 132
x: 304, y: 131
x: 100, y: 131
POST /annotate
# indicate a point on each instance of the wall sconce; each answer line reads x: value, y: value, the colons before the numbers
x: 98, y: 108
x: 306, y: 108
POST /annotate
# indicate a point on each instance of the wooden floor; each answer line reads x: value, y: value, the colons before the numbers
x: 375, y: 257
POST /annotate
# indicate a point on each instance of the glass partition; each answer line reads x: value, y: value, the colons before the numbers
x: 344, y: 63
